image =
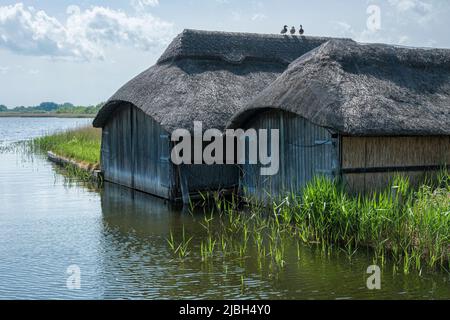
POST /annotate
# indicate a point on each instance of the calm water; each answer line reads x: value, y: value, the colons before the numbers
x: 118, y: 240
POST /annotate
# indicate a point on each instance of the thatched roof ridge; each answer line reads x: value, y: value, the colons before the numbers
x: 363, y: 89
x: 208, y: 76
x: 234, y: 47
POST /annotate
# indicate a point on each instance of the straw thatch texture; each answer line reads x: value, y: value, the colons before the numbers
x: 368, y: 90
x: 208, y: 77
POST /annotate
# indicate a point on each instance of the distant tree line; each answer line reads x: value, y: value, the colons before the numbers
x: 52, y: 107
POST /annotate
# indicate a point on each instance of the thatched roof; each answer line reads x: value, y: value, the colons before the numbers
x: 237, y: 47
x: 362, y: 89
x: 208, y: 77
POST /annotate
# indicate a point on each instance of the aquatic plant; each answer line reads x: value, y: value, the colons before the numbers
x: 181, y: 248
x: 409, y: 226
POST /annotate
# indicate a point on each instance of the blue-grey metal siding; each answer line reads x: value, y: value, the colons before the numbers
x: 135, y: 153
x: 210, y: 177
x: 153, y: 171
x: 117, y: 164
x: 306, y: 150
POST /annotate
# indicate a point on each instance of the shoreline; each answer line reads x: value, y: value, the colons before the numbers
x: 78, y: 149
x: 94, y: 172
x: 44, y: 115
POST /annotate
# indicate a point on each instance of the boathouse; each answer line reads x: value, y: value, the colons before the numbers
x: 356, y: 111
x: 202, y: 76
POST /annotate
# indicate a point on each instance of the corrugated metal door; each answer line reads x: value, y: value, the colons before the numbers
x: 152, y: 169
x: 117, y: 148
x: 306, y: 150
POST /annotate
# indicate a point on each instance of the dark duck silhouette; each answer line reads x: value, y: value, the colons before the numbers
x: 285, y: 30
x: 293, y: 30
x: 301, y: 31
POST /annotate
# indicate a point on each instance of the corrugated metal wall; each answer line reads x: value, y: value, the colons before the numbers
x: 210, y: 177
x: 117, y: 164
x: 306, y: 150
x: 135, y: 153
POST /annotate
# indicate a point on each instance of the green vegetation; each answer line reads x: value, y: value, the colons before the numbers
x: 182, y: 248
x: 81, y: 145
x: 410, y: 227
x: 52, y: 108
x: 93, y: 110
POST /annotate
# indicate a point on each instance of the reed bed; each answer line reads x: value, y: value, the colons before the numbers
x: 408, y: 226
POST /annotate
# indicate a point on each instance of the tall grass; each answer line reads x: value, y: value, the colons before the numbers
x: 409, y: 226
x: 81, y: 144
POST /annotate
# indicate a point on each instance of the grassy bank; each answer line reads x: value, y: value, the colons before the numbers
x: 410, y: 227
x: 81, y: 145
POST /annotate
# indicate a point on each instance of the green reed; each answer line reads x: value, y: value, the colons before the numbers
x: 411, y: 227
x: 181, y: 248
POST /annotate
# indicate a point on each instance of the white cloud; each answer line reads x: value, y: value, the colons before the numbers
x: 142, y: 4
x: 344, y: 29
x: 404, y: 22
x: 420, y: 11
x: 421, y: 7
x: 404, y: 40
x: 236, y: 15
x: 259, y: 16
x: 4, y: 70
x: 83, y: 36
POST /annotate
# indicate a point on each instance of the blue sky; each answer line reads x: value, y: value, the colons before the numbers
x: 82, y: 51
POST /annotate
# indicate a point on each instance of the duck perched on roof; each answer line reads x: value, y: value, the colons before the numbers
x: 284, y: 30
x: 293, y: 30
x: 301, y: 31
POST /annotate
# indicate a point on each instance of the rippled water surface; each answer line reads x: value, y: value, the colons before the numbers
x: 118, y: 238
